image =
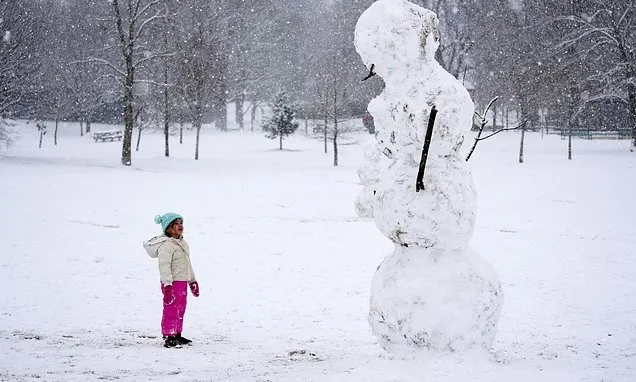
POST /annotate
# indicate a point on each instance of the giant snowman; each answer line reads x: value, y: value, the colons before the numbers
x: 433, y: 292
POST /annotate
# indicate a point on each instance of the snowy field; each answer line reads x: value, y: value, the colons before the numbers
x: 285, y: 265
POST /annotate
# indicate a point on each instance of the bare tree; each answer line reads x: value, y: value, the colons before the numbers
x: 334, y: 72
x: 252, y: 41
x: 201, y: 55
x: 460, y: 22
x: 18, y: 35
x: 335, y: 119
x: 128, y: 22
x: 68, y: 90
x: 605, y: 38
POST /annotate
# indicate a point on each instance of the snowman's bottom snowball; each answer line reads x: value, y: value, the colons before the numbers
x: 432, y: 299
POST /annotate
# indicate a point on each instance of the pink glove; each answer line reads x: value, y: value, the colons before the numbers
x: 194, y: 287
x: 168, y: 295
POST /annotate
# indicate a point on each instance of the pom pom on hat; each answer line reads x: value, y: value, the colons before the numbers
x: 166, y: 220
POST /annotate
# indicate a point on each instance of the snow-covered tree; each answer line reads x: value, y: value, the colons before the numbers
x: 201, y: 56
x: 461, y: 23
x: 128, y: 49
x: 256, y: 35
x: 18, y: 61
x: 603, y: 34
x: 69, y: 89
x: 282, y: 123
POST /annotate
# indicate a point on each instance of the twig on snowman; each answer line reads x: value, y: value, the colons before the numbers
x: 371, y: 73
x: 482, y: 118
x: 419, y: 184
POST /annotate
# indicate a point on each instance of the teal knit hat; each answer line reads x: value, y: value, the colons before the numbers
x: 166, y: 219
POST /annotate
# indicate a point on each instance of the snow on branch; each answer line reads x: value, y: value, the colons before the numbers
x: 151, y: 57
x: 157, y: 16
x: 101, y: 61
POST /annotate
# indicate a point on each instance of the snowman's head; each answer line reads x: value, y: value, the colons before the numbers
x: 395, y: 35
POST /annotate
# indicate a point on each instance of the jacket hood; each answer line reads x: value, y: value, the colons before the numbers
x: 152, y: 245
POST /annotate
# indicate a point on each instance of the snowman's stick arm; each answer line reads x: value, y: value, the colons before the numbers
x: 419, y: 184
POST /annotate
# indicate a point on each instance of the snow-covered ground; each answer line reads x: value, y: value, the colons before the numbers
x: 285, y: 265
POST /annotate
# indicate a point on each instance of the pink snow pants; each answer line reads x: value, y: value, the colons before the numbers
x: 172, y: 318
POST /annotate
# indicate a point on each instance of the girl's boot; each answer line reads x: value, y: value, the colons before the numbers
x: 171, y: 342
x: 182, y: 340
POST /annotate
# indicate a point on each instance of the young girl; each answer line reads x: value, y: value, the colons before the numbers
x: 176, y: 273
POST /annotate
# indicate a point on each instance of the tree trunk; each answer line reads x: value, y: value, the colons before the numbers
x: 82, y: 128
x: 220, y: 111
x: 507, y: 117
x: 55, y: 132
x: 524, y: 117
x: 88, y: 126
x: 573, y: 105
x: 632, y: 112
x: 324, y: 133
x: 280, y: 140
x: 166, y: 135
x: 126, y: 157
x: 306, y: 127
x: 253, y: 115
x: 41, y: 134
x: 570, y: 140
x: 181, y: 133
x: 238, y: 110
x: 335, y: 123
x: 325, y: 106
x: 197, y: 126
x: 335, y: 145
x: 198, y: 119
x: 138, y: 138
x: 494, y: 118
x: 523, y: 134
x: 166, y: 112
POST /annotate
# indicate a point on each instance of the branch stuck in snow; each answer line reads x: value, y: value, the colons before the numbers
x: 482, y: 117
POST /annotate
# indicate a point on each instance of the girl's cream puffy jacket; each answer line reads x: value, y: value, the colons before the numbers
x: 174, y: 258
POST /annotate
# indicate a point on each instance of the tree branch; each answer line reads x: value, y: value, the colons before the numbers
x: 371, y: 73
x: 506, y: 129
x: 481, y: 127
x: 152, y: 57
x: 157, y: 16
x: 101, y: 61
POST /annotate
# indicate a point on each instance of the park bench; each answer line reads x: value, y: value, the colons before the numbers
x: 108, y: 136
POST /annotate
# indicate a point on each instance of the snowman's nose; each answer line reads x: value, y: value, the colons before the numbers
x: 371, y: 73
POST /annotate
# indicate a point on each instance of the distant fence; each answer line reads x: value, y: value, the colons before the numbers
x: 592, y: 134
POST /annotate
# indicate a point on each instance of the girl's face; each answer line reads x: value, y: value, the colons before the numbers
x: 175, y: 229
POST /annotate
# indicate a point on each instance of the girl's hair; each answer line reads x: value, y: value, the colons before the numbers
x: 171, y: 224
